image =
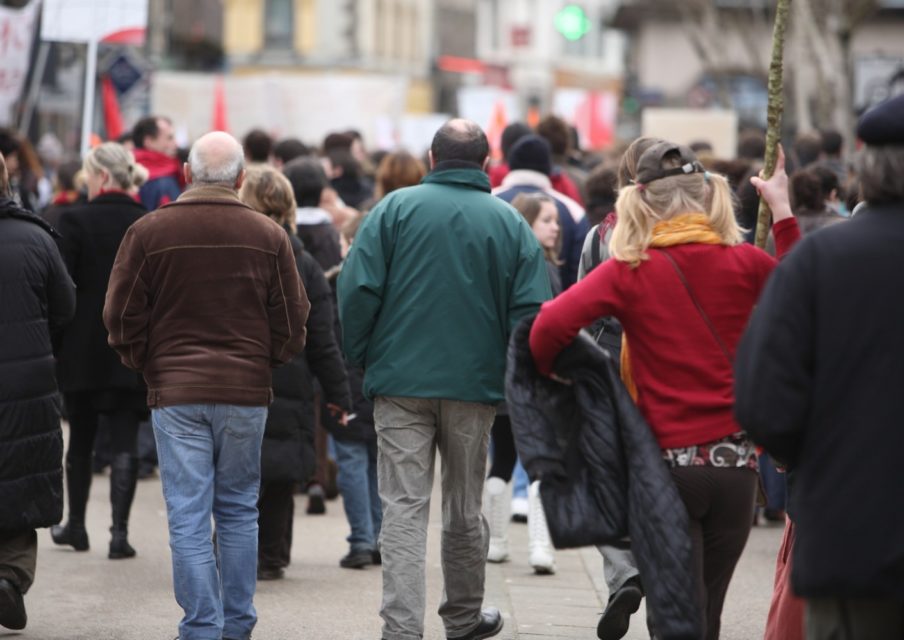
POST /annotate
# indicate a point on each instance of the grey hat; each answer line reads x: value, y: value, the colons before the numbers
x: 649, y: 167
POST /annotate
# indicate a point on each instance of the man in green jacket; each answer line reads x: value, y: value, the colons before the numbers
x: 438, y: 276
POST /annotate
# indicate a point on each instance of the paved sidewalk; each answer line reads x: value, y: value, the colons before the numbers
x: 85, y: 596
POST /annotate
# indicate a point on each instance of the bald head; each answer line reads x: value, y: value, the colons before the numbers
x: 460, y: 140
x: 216, y: 158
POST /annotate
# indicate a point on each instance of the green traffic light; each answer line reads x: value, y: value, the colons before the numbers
x: 572, y: 22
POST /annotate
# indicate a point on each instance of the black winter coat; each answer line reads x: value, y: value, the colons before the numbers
x: 360, y: 427
x: 36, y: 298
x: 818, y: 383
x: 91, y: 235
x: 287, y: 453
x: 602, y: 472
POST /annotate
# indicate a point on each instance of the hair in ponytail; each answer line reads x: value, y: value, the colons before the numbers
x: 641, y: 207
x: 118, y: 162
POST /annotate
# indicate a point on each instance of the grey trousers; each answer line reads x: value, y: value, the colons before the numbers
x: 409, y: 431
x: 18, y: 557
x: 618, y: 567
x: 850, y: 619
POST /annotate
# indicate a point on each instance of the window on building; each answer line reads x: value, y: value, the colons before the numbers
x: 279, y: 22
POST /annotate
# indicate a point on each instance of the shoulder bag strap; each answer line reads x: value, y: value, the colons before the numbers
x: 705, y: 317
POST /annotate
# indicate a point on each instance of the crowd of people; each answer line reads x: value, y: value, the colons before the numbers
x: 267, y: 317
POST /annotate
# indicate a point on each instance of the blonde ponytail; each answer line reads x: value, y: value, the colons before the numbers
x: 640, y: 208
x: 721, y: 210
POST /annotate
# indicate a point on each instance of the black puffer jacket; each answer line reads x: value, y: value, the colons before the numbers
x: 287, y: 453
x: 602, y: 471
x: 36, y: 298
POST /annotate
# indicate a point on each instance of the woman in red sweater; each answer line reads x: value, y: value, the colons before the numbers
x: 683, y: 284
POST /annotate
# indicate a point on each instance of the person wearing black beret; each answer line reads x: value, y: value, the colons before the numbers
x: 818, y: 377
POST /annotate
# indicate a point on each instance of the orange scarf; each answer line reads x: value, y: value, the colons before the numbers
x: 686, y: 228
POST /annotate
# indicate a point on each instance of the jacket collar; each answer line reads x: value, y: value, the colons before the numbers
x: 887, y: 207
x: 209, y: 192
x: 312, y: 216
x: 526, y: 177
x: 455, y: 172
x: 9, y: 209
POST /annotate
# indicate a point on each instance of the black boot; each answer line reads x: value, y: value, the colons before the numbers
x: 123, y: 478
x: 78, y: 485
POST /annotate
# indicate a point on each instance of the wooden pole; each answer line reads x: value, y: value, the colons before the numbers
x: 774, y: 115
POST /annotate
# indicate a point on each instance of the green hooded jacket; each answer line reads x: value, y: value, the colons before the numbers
x: 438, y: 276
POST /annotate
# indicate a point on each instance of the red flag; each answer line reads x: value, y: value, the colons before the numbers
x: 219, y: 107
x: 498, y: 122
x: 112, y: 115
x: 594, y: 118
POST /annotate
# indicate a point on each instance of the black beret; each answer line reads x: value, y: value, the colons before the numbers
x: 884, y: 123
x: 531, y: 152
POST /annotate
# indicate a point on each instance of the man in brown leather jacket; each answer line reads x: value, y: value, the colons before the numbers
x: 204, y: 299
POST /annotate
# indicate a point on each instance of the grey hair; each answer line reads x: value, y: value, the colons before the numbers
x: 217, y: 170
x: 880, y: 169
x: 117, y: 161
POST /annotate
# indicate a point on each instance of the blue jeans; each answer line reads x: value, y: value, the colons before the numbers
x: 519, y: 489
x: 357, y: 481
x: 210, y: 457
x: 773, y: 483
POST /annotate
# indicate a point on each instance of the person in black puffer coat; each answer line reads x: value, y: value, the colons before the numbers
x: 38, y: 299
x: 287, y: 454
x: 601, y: 472
x: 94, y: 382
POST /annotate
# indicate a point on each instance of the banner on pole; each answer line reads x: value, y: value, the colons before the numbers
x: 17, y: 29
x: 111, y: 21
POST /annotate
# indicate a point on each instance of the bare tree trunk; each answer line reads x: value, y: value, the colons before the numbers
x: 774, y: 117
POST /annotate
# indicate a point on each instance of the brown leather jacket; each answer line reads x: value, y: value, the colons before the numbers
x: 204, y: 299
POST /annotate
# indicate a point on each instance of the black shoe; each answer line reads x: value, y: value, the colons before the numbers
x: 78, y: 486
x: 316, y: 504
x: 617, y: 616
x: 276, y: 573
x: 357, y: 559
x: 12, y: 606
x: 490, y: 625
x: 376, y: 557
x: 70, y: 534
x: 123, y: 478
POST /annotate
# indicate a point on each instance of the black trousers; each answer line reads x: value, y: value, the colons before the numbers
x: 83, y: 421
x: 276, y: 511
x: 719, y: 502
x: 504, y: 454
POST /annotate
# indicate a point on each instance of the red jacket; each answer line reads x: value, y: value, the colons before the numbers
x: 684, y: 382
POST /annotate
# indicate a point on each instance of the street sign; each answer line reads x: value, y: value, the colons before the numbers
x: 124, y: 74
x: 521, y: 36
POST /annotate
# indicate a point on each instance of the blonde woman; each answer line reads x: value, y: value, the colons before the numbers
x: 683, y: 284
x: 93, y: 381
x: 287, y: 453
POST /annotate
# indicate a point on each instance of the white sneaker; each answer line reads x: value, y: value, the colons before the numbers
x: 519, y: 509
x: 496, y: 505
x: 542, y: 556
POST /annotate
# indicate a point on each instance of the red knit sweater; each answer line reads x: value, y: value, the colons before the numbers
x: 684, y: 382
